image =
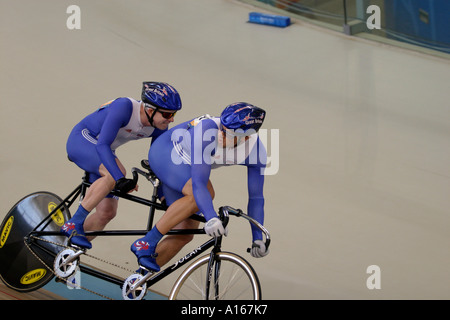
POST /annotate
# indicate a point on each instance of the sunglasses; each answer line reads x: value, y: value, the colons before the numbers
x: 167, y: 115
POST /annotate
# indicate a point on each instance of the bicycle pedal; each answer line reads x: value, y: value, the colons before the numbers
x: 144, y: 271
x: 77, y: 248
x: 59, y: 280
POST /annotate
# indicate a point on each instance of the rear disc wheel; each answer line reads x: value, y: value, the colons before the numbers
x: 22, y: 269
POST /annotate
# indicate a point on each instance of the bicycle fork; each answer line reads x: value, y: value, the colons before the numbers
x: 213, y: 271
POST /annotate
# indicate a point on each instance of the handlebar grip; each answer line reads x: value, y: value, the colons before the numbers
x: 135, y: 176
x: 224, y: 217
x: 267, y: 243
x: 145, y: 164
x: 226, y: 210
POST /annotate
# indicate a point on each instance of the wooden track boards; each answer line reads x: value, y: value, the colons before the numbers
x: 41, y: 294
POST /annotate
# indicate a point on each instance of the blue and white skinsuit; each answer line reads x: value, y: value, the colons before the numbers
x: 191, y: 149
x: 93, y: 142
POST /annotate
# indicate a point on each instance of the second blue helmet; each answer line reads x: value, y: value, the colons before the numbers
x: 161, y: 95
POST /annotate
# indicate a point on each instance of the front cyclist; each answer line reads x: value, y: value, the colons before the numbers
x: 92, y: 145
x: 183, y: 157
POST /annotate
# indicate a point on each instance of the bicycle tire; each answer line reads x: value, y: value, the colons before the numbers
x: 20, y: 269
x: 241, y: 284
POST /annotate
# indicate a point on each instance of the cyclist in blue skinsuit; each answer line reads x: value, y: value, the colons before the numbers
x: 183, y: 157
x: 92, y: 144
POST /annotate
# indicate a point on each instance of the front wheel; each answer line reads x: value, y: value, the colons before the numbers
x: 231, y: 277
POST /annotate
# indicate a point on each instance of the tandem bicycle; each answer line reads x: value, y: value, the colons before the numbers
x: 33, y: 250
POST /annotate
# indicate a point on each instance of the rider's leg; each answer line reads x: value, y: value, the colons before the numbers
x: 181, y: 209
x: 98, y: 190
x: 172, y: 244
x: 104, y: 212
x: 177, y: 212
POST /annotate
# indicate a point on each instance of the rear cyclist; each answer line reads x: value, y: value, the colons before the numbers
x: 92, y: 144
x: 183, y: 157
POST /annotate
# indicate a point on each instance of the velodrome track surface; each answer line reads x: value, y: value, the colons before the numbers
x: 41, y: 294
x: 364, y: 133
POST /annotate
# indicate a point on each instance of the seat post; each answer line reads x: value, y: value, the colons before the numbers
x: 85, y: 184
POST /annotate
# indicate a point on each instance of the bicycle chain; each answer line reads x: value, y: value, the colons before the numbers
x: 87, y: 255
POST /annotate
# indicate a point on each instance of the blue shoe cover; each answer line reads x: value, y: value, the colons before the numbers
x: 76, y: 232
x: 146, y: 254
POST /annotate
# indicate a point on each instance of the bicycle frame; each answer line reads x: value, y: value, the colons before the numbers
x: 80, y: 191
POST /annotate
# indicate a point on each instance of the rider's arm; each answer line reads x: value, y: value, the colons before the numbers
x: 255, y: 206
x: 201, y: 168
x: 255, y: 183
x: 119, y: 114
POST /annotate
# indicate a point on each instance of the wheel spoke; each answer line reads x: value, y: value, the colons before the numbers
x: 235, y: 279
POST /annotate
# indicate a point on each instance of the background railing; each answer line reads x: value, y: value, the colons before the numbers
x: 421, y: 23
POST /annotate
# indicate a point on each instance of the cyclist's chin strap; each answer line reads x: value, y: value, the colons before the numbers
x: 150, y: 118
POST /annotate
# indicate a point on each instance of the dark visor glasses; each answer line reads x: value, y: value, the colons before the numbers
x: 166, y: 115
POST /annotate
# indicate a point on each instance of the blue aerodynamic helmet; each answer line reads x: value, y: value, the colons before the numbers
x: 242, y: 116
x: 161, y: 95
